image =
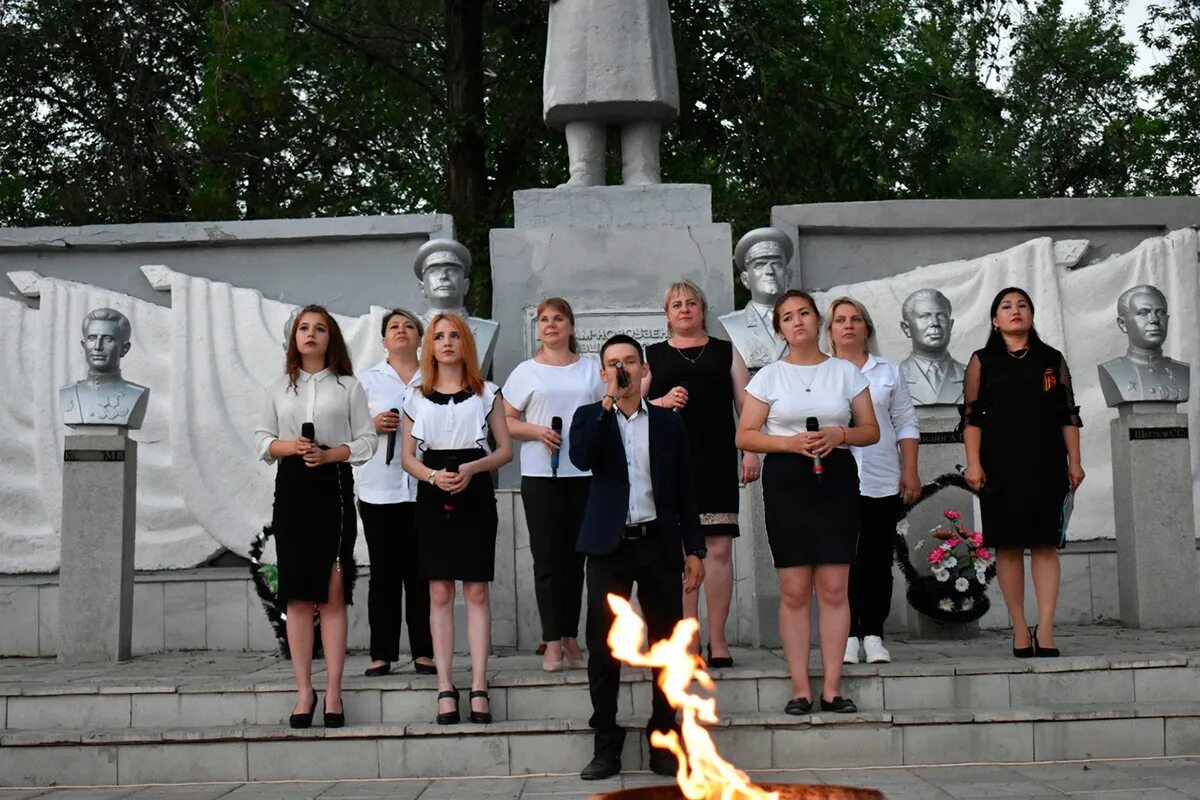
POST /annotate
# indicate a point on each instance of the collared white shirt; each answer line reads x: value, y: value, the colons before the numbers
x: 635, y: 435
x: 376, y: 481
x: 336, y: 405
x: 879, y: 465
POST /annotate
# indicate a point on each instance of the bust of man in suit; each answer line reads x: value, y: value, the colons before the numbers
x: 762, y: 257
x: 443, y: 269
x: 104, y: 397
x: 934, y: 378
x: 1143, y: 374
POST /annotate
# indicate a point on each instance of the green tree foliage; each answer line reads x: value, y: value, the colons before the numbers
x: 1173, y: 30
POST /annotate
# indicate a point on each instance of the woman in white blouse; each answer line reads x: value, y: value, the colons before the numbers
x: 803, y: 411
x: 887, y: 476
x: 313, y: 520
x: 448, y: 421
x: 550, y: 386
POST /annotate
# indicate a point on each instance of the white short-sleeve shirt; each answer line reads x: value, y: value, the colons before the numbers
x: 879, y: 464
x: 377, y: 481
x: 460, y: 424
x: 795, y: 393
x: 542, y: 392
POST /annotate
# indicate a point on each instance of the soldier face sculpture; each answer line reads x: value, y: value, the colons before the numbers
x: 926, y: 320
x: 766, y: 274
x: 444, y: 280
x: 1143, y: 318
x: 104, y: 343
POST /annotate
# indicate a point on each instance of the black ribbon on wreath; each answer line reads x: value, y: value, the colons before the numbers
x: 276, y: 614
x: 926, y: 593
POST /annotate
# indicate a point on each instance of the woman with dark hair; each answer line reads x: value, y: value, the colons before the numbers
x: 804, y: 411
x: 313, y: 519
x: 448, y: 419
x: 549, y: 386
x: 1021, y: 432
x: 387, y: 498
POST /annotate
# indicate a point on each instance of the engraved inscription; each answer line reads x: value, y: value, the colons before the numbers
x: 1173, y: 432
x: 594, y: 326
x: 93, y: 455
x: 941, y: 437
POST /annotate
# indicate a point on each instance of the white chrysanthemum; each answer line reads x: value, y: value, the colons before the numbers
x: 942, y: 575
x: 981, y: 578
x: 950, y: 563
x: 946, y: 604
x: 961, y: 584
x: 968, y: 603
x: 902, y: 527
x: 980, y: 566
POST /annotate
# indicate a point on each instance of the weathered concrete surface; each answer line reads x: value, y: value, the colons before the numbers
x: 606, y: 206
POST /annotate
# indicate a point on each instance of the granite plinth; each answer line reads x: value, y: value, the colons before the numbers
x: 606, y: 206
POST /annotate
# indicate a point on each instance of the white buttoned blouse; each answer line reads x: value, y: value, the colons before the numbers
x: 336, y: 405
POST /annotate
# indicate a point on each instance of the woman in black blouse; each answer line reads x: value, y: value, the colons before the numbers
x: 1022, y: 440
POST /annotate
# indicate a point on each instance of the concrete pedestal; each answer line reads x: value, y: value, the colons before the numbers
x: 1157, y: 578
x: 940, y: 453
x: 95, y: 605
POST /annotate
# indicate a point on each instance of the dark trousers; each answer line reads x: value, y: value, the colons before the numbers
x: 871, y: 573
x: 660, y: 595
x: 395, y: 568
x: 554, y: 511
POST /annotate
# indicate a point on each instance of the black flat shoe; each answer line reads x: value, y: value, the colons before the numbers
x: 798, y: 706
x: 375, y: 672
x: 481, y: 717
x: 449, y: 717
x: 601, y: 767
x: 1024, y: 652
x: 424, y: 669
x: 304, y: 720
x: 1038, y: 650
x: 337, y: 720
x: 839, y: 705
x: 663, y: 762
x: 718, y: 662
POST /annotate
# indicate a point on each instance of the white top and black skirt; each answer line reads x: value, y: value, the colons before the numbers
x: 810, y: 521
x: 456, y: 533
x: 313, y: 518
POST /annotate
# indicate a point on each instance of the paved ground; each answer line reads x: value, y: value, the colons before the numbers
x: 1152, y: 779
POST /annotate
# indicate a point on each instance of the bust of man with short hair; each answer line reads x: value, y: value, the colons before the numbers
x: 104, y: 397
x: 762, y: 257
x: 443, y: 268
x: 1144, y: 374
x: 934, y: 378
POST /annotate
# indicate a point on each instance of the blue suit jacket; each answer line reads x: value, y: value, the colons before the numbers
x: 596, y: 445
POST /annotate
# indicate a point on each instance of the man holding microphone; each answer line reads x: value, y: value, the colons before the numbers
x: 641, y: 525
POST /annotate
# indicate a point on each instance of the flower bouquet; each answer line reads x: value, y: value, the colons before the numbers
x: 960, y: 568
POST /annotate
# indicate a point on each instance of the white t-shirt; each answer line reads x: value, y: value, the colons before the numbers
x: 879, y: 464
x: 377, y: 481
x: 455, y: 425
x: 795, y: 393
x: 542, y: 392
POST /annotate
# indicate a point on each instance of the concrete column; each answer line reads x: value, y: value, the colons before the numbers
x: 755, y: 578
x: 1157, y: 576
x: 95, y: 615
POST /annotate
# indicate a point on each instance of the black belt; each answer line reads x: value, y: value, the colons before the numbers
x: 639, y: 531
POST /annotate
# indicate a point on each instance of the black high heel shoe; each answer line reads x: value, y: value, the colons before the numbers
x: 1038, y: 650
x: 449, y: 717
x: 304, y: 720
x: 1024, y: 652
x: 718, y: 662
x: 337, y: 720
x: 481, y: 717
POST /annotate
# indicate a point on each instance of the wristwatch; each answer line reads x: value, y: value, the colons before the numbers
x: 700, y: 552
x: 432, y: 478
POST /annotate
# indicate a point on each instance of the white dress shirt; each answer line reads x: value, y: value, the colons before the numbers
x: 376, y: 481
x: 635, y: 436
x: 336, y: 405
x: 879, y: 465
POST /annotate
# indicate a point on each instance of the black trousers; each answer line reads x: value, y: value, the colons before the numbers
x: 871, y: 573
x: 554, y: 511
x: 660, y: 594
x: 395, y: 568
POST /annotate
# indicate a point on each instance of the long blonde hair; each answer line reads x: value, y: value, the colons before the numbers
x: 472, y: 378
x: 686, y: 287
x: 872, y: 345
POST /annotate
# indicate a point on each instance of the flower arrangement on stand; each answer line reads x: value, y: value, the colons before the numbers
x: 960, y: 569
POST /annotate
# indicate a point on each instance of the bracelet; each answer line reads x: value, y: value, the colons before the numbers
x: 609, y: 397
x: 845, y: 435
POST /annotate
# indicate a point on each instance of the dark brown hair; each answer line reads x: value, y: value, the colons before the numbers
x: 788, y: 295
x: 337, y: 358
x: 563, y: 307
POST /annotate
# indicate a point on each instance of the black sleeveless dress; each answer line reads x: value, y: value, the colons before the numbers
x: 708, y: 417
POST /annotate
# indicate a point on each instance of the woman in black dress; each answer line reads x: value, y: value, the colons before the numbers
x: 704, y: 379
x: 1021, y: 431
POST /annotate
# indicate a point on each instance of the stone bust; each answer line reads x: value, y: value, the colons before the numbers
x: 104, y: 397
x: 610, y: 62
x: 442, y: 267
x: 934, y: 378
x: 762, y: 257
x: 1143, y: 374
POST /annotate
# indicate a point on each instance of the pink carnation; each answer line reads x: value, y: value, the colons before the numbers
x: 936, y: 555
x: 983, y: 554
x: 977, y: 539
x: 951, y: 514
x: 954, y: 541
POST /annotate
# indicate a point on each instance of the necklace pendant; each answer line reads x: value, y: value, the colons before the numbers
x: 808, y: 390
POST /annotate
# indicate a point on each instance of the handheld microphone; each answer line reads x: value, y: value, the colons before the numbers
x: 812, y: 425
x: 556, y: 426
x: 308, y: 432
x: 451, y: 467
x: 622, y: 376
x: 391, y: 445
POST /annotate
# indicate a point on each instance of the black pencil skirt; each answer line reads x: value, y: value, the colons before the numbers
x: 811, y: 521
x: 456, y: 534
x: 314, y: 525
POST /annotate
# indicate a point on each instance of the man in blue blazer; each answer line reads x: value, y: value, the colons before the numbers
x: 641, y: 526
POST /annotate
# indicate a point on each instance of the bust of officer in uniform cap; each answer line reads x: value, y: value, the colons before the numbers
x: 934, y: 378
x: 104, y: 397
x: 762, y: 257
x: 443, y: 268
x: 1144, y: 374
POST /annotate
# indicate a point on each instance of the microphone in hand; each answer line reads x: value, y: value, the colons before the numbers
x: 556, y: 426
x: 391, y: 443
x: 812, y: 425
x: 452, y: 468
x: 308, y: 431
x: 622, y: 376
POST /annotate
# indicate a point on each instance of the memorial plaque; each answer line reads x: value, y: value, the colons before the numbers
x: 1144, y: 434
x: 93, y: 455
x: 941, y: 437
x: 593, y: 327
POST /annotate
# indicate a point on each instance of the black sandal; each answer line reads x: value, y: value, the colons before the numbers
x: 481, y: 717
x: 798, y: 706
x: 449, y: 717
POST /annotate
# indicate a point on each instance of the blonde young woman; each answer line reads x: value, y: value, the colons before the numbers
x: 704, y: 379
x: 887, y: 476
x: 446, y: 426
x: 812, y: 508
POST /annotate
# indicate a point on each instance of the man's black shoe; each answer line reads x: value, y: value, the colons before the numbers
x: 601, y: 767
x: 663, y: 762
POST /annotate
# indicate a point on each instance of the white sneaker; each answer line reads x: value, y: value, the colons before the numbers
x: 876, y: 652
x: 851, y: 656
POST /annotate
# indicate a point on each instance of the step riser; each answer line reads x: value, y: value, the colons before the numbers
x: 571, y: 701
x: 750, y: 747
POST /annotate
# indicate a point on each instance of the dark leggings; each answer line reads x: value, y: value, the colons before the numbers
x: 871, y: 573
x: 554, y: 511
x: 395, y: 569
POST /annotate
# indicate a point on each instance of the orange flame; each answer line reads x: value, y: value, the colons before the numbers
x: 703, y: 774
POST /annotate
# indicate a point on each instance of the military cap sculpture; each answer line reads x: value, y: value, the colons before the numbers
x: 443, y: 268
x: 762, y: 257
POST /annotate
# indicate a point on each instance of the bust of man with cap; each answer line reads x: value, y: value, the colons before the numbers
x: 1143, y: 374
x: 443, y: 268
x: 104, y: 397
x: 934, y: 378
x: 762, y: 257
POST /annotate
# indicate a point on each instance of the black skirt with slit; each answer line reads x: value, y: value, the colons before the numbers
x: 314, y: 524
